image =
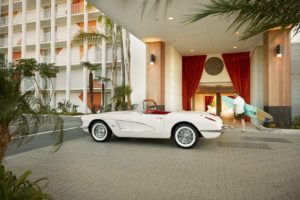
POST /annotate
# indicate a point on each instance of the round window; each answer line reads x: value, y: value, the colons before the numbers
x: 214, y: 66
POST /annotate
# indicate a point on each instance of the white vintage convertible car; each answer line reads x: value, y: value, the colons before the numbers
x: 146, y: 121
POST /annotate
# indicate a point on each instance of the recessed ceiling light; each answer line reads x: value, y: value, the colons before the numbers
x: 192, y: 50
x: 170, y: 18
x: 183, y: 37
x: 237, y: 33
x: 234, y: 47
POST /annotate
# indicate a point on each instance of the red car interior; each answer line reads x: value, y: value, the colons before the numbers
x: 157, y: 112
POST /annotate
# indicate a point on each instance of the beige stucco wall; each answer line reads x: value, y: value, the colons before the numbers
x: 173, y: 79
x: 256, y: 77
x: 295, y: 53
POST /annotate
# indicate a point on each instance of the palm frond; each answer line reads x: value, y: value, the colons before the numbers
x: 154, y: 5
x: 90, y: 66
x: 93, y: 37
x: 254, y: 16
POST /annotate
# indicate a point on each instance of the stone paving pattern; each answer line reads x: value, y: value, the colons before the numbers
x: 234, y: 166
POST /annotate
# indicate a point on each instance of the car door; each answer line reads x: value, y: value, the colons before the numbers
x: 148, y: 125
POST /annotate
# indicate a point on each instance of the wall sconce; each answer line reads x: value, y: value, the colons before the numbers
x: 152, y: 59
x: 279, y: 51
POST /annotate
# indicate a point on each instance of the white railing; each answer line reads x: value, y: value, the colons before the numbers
x: 46, y: 37
x: 3, y: 42
x: 77, y: 8
x: 4, y: 21
x: 46, y: 14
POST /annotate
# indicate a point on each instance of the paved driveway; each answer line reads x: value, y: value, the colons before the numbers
x: 233, y: 166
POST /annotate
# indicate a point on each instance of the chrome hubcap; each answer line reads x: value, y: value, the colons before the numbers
x: 185, y: 136
x: 100, y: 131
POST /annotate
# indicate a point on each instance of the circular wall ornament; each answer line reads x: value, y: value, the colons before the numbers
x: 214, y: 66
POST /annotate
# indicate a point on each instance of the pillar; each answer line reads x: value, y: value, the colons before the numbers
x: 24, y: 29
x: 85, y: 57
x: 10, y: 31
x: 52, y: 51
x: 68, y: 67
x: 277, y: 77
x: 155, y: 83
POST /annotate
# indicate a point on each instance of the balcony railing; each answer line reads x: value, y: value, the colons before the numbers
x: 3, y: 42
x: 46, y: 14
x: 7, y: 1
x: 77, y: 8
x: 4, y: 21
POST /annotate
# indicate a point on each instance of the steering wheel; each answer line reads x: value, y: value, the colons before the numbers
x: 150, y: 107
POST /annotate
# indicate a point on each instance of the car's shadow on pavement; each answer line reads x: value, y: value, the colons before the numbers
x: 150, y: 142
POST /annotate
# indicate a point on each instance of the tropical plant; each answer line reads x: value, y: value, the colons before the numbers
x: 296, y: 123
x: 256, y: 16
x: 91, y: 67
x: 22, y: 110
x: 64, y: 106
x: 103, y: 81
x: 29, y: 68
x: 119, y: 93
x: 13, y: 187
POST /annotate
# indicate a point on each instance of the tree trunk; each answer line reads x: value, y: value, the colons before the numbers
x: 103, y: 95
x: 114, y: 65
x: 5, y: 139
x: 128, y: 66
x: 122, y: 60
x: 91, y: 90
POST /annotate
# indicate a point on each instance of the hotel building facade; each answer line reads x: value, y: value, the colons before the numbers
x: 44, y: 29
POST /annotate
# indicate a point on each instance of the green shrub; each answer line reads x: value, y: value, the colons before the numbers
x: 13, y: 188
x: 296, y: 123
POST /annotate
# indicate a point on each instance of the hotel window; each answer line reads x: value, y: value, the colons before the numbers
x: 47, y: 12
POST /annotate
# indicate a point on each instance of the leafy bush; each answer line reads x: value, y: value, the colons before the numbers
x: 13, y: 188
x: 296, y: 123
x: 64, y: 106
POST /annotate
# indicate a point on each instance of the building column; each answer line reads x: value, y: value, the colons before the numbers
x: 10, y: 31
x: 24, y: 28
x: 37, y: 31
x: 103, y: 54
x: 155, y: 83
x: 68, y: 67
x: 85, y: 57
x: 52, y: 53
x: 277, y: 77
x: 37, y: 42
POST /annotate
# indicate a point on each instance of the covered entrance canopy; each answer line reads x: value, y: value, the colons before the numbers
x: 159, y: 24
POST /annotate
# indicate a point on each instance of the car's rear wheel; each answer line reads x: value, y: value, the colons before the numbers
x: 185, y: 136
x: 100, y: 132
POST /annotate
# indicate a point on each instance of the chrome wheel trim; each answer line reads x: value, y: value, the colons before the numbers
x: 99, y: 132
x: 185, y: 136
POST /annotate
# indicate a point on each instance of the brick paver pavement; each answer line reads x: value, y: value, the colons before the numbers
x: 233, y: 166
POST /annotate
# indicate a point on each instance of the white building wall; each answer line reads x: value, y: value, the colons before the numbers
x: 256, y: 78
x: 295, y: 51
x: 138, y: 69
x: 173, y: 79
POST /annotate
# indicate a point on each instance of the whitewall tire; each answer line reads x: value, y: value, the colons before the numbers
x: 185, y: 136
x: 100, y: 132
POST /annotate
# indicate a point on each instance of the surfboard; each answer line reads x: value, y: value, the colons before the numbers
x: 250, y: 111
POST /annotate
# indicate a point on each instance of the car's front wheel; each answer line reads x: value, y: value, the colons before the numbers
x: 185, y: 136
x: 100, y: 132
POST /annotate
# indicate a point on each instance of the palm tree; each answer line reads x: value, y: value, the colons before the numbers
x: 120, y: 92
x: 103, y: 81
x: 29, y: 67
x: 257, y: 16
x: 128, y: 65
x: 91, y: 68
x: 22, y: 110
x: 114, y: 64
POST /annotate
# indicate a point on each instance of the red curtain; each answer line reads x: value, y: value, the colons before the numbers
x: 208, y: 101
x: 192, y: 69
x: 238, y: 67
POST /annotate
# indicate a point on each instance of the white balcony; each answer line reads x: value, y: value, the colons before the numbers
x: 4, y: 21
x: 3, y: 42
